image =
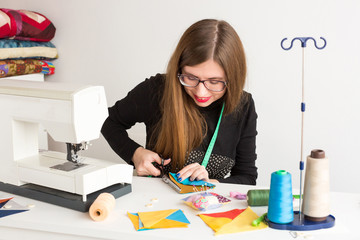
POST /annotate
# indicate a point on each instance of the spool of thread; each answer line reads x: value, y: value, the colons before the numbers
x: 316, y: 202
x: 101, y: 207
x: 258, y: 197
x: 280, y: 208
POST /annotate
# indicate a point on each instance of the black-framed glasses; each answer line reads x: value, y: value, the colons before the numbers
x: 192, y: 81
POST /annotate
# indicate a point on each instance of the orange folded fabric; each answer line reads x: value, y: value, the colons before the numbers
x: 233, y: 221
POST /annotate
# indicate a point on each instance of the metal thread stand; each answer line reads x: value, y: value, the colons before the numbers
x: 300, y: 223
x: 303, y: 41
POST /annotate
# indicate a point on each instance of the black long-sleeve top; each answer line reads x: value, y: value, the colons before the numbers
x: 233, y: 157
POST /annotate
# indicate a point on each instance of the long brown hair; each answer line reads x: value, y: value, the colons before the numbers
x: 182, y: 127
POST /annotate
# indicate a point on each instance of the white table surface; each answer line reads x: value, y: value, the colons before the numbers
x: 46, y: 221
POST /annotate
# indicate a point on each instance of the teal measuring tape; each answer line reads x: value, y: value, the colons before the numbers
x: 213, y: 140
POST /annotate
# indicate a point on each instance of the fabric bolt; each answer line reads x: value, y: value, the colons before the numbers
x: 16, y: 49
x: 25, y: 25
x: 234, y: 150
x: 26, y: 66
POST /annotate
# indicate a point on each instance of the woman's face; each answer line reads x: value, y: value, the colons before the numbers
x: 208, y: 70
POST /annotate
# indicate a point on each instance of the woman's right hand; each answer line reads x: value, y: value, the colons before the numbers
x: 143, y: 159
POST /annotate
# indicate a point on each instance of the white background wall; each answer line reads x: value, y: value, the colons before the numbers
x: 117, y: 44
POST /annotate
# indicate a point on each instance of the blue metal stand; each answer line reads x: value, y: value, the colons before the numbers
x: 300, y: 223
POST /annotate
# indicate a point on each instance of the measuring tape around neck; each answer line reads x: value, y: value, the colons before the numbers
x: 213, y: 140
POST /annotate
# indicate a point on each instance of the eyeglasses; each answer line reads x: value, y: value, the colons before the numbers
x: 192, y: 81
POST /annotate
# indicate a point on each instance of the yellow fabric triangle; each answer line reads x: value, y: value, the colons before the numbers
x: 151, y: 218
x: 241, y: 223
x: 167, y: 223
x: 134, y: 219
x: 215, y: 222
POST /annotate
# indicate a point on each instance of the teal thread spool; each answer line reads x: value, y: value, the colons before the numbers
x: 258, y: 197
x: 280, y: 208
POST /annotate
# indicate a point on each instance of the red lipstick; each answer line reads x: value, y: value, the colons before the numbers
x: 202, y: 99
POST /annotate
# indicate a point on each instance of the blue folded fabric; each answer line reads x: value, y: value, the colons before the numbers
x: 17, y: 49
x: 187, y: 181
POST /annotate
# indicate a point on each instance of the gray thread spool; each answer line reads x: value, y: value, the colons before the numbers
x: 316, y: 202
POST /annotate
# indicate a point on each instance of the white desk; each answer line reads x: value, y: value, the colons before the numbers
x: 46, y: 221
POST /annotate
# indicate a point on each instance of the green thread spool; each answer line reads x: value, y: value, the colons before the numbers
x: 258, y: 197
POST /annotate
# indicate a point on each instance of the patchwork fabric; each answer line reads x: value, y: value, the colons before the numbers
x: 172, y: 218
x: 26, y: 66
x: 233, y: 221
x: 187, y: 186
x: 16, y: 49
x: 25, y: 25
x: 206, y: 201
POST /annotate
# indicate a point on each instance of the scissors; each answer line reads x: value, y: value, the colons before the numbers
x: 164, y: 176
x: 160, y: 166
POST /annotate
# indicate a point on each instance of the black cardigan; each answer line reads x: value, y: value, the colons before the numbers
x: 234, y: 151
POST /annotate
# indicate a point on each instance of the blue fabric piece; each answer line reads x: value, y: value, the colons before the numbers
x: 3, y: 203
x: 27, y: 49
x: 178, y: 216
x: 4, y: 213
x: 192, y: 183
x: 12, y: 43
x: 141, y: 225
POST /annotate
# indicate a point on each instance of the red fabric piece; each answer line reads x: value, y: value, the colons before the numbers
x: 4, y: 30
x: 229, y: 214
x: 5, y: 200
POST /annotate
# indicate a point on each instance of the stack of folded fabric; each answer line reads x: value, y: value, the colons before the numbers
x: 25, y: 48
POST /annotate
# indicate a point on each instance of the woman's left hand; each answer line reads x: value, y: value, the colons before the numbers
x: 194, y: 171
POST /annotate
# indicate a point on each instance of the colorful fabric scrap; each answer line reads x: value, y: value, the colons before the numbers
x: 172, y: 218
x: 238, y: 195
x: 8, y: 207
x: 25, y: 66
x: 188, y: 186
x: 233, y: 221
x: 206, y: 201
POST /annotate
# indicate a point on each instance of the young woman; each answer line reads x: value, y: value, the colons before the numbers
x: 200, y: 94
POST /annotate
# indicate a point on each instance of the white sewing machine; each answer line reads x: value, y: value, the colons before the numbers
x: 70, y: 113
